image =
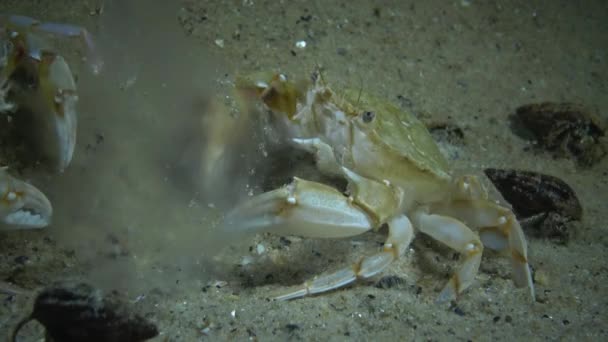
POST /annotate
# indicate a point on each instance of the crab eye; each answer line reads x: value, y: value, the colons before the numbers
x: 368, y: 116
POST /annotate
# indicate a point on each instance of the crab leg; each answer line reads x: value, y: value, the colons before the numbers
x: 459, y: 237
x: 312, y: 209
x: 399, y: 237
x: 21, y: 204
x: 93, y: 57
x: 499, y: 230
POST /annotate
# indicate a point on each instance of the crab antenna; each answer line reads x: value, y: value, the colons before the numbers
x: 360, y: 90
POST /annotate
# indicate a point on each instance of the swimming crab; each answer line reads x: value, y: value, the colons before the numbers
x: 37, y: 88
x: 396, y: 177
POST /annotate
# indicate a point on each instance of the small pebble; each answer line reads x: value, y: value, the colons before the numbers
x: 260, y: 249
x: 22, y: 259
x: 541, y: 278
x: 291, y: 327
x: 458, y: 311
x: 220, y: 283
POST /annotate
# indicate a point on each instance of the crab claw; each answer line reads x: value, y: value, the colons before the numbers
x: 59, y: 91
x: 275, y: 90
x: 21, y: 204
x: 49, y: 109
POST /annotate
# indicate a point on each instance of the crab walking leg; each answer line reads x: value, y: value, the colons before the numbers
x: 21, y: 204
x: 499, y: 230
x: 93, y: 56
x: 399, y: 237
x: 522, y: 276
x: 459, y: 237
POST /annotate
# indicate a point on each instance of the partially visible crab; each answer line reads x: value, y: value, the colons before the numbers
x: 22, y: 204
x: 37, y: 86
x: 396, y: 176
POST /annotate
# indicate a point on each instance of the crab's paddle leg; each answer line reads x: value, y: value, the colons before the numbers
x: 459, y: 237
x: 93, y: 56
x: 499, y: 230
x: 26, y: 23
x: 21, y: 204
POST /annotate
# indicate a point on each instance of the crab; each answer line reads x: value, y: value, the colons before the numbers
x: 396, y: 176
x: 37, y: 88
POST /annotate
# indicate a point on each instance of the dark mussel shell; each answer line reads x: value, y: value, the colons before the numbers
x: 80, y: 312
x: 545, y: 204
x: 566, y: 129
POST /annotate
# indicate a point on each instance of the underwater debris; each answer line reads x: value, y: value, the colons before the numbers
x: 389, y: 281
x: 566, y: 129
x: 544, y: 204
x: 79, y: 312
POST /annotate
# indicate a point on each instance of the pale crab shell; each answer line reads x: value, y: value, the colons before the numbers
x: 393, y: 146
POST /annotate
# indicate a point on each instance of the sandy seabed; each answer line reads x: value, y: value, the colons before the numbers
x: 128, y: 216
